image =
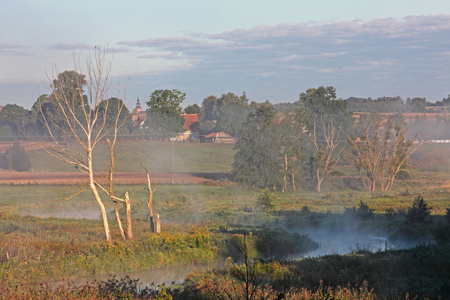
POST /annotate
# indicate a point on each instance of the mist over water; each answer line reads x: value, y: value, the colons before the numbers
x: 347, y: 241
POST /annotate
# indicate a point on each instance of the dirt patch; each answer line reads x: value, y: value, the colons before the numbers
x: 20, y: 178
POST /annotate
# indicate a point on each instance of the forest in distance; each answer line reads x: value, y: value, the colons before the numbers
x: 297, y: 178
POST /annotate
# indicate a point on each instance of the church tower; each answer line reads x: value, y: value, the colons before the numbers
x: 138, y: 108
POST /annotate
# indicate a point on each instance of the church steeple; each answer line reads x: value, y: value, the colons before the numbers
x: 138, y: 108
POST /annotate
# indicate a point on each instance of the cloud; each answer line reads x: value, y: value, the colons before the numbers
x: 171, y: 56
x: 12, y: 49
x: 72, y: 46
x: 354, y: 55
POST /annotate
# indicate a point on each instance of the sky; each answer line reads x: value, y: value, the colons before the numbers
x: 270, y: 49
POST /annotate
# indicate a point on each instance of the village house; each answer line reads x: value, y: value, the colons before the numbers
x: 190, y: 131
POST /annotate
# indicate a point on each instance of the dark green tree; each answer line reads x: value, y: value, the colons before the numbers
x: 164, y: 113
x: 164, y: 100
x: 110, y: 109
x: 67, y: 94
x: 17, y: 118
x: 257, y: 157
x: 194, y: 109
x: 69, y: 85
x: 229, y: 112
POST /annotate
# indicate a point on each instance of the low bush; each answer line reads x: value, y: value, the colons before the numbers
x: 419, y: 212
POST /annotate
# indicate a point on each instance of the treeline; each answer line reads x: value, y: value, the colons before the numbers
x: 226, y: 113
x: 380, y: 105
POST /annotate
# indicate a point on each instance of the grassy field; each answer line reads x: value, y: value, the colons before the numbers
x: 156, y: 156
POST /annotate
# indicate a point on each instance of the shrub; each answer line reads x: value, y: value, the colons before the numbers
x: 16, y: 158
x: 265, y: 200
x: 364, y: 211
x: 419, y: 211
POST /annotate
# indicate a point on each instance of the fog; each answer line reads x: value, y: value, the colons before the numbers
x: 93, y: 214
x: 347, y: 241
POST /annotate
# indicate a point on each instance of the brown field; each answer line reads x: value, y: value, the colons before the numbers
x: 20, y: 178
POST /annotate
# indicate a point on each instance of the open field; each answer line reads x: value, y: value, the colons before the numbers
x: 156, y: 156
x: 47, y: 235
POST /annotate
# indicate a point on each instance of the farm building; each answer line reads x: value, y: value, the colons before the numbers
x: 220, y: 138
x: 189, y: 127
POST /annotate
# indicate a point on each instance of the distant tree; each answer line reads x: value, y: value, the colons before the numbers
x: 194, y: 109
x: 257, y: 157
x: 17, y: 118
x: 164, y: 113
x: 293, y: 127
x: 68, y: 86
x: 166, y: 100
x: 328, y: 152
x: 380, y: 151
x: 327, y: 120
x: 416, y: 104
x: 109, y: 109
x: 229, y: 112
x: 4, y: 164
x: 17, y: 158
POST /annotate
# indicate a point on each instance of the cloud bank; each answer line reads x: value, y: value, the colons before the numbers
x: 380, y: 57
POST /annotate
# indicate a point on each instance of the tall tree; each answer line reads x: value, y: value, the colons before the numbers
x: 164, y: 112
x: 293, y: 158
x: 328, y: 152
x: 380, y: 151
x: 257, y: 158
x: 82, y: 123
x: 110, y: 109
x: 228, y: 112
x: 328, y: 119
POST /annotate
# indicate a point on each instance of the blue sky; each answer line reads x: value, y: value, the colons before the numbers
x: 273, y: 50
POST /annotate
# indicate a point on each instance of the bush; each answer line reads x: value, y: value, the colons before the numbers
x: 419, y: 211
x: 364, y: 211
x: 265, y: 200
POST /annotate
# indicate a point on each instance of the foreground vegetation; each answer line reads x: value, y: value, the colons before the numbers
x: 205, y: 224
x: 421, y: 272
x: 36, y: 250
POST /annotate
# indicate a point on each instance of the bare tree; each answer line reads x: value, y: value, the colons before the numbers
x: 381, y: 152
x: 84, y: 125
x: 328, y: 154
x: 111, y: 143
x: 155, y: 223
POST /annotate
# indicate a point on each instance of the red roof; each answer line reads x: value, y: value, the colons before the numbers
x: 188, y: 120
